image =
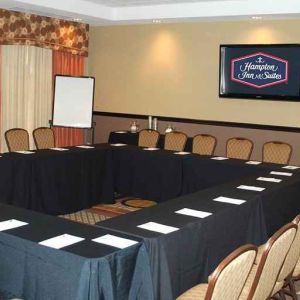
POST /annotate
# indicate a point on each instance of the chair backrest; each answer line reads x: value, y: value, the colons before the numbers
x: 271, y: 262
x: 277, y: 152
x: 204, y: 144
x: 175, y: 141
x: 148, y: 138
x: 17, y: 139
x: 290, y: 260
x: 43, y: 138
x: 228, y: 279
x: 239, y: 148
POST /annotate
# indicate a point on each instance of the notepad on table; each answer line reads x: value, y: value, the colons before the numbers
x: 193, y: 213
x: 290, y: 167
x: 10, y: 224
x: 253, y: 162
x: 182, y: 153
x: 150, y: 149
x: 85, y: 147
x: 281, y: 173
x: 61, y: 241
x: 219, y: 158
x: 157, y: 227
x: 251, y: 188
x: 59, y: 149
x: 269, y: 179
x: 25, y: 152
x: 118, y: 145
x: 229, y: 200
x: 114, y: 241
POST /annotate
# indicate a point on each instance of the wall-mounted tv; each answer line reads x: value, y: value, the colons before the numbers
x: 260, y: 71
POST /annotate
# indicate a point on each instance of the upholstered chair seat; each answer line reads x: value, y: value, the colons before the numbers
x: 264, y: 276
x: 227, y: 281
x: 148, y: 138
x: 17, y: 139
x: 204, y: 144
x: 277, y: 152
x: 239, y: 148
x: 175, y: 141
x: 43, y: 138
x: 196, y: 292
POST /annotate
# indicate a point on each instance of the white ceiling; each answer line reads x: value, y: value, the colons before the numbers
x: 108, y: 12
x: 122, y: 3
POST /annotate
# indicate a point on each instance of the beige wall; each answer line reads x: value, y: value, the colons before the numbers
x: 173, y: 70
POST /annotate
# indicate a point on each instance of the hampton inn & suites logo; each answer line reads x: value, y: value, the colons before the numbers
x: 259, y: 70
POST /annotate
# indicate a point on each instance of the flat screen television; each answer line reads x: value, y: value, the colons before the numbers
x: 260, y: 71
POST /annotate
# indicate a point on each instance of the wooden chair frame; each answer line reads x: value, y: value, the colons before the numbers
x: 216, y: 274
x: 264, y: 257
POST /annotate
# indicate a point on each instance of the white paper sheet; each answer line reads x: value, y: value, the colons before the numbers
x: 182, y: 153
x: 253, y: 162
x: 153, y: 226
x: 85, y: 147
x: 269, y: 179
x: 251, y: 188
x: 290, y: 167
x: 118, y: 145
x: 219, y: 158
x: 61, y: 241
x: 193, y: 213
x: 114, y: 241
x: 229, y: 200
x: 59, y: 149
x: 150, y: 149
x: 25, y: 152
x: 10, y: 224
x: 281, y: 173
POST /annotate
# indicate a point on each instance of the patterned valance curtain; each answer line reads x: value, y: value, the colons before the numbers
x: 18, y: 28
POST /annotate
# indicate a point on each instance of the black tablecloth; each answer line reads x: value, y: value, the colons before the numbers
x: 166, y: 265
x: 186, y: 257
x: 153, y: 175
x: 57, y: 182
x: 161, y: 175
x: 85, y: 270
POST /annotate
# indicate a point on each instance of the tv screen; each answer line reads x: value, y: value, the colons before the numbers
x: 260, y: 71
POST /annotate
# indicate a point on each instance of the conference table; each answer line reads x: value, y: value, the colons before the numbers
x: 161, y: 175
x: 84, y: 271
x: 187, y: 256
x: 160, y: 266
x: 57, y: 181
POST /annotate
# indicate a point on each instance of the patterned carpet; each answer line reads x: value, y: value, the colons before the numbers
x: 99, y: 213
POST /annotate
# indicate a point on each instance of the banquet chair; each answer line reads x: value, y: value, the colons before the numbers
x: 43, y: 138
x: 277, y: 152
x: 289, y: 271
x: 204, y: 144
x: 17, y: 139
x: 148, y: 138
x: 228, y: 279
x: 264, y: 275
x: 239, y: 148
x: 175, y: 141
